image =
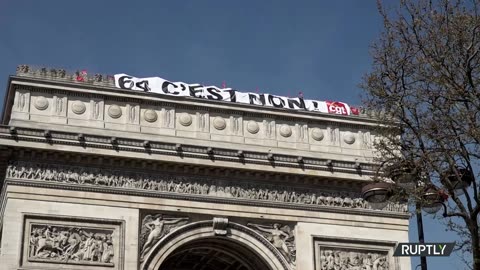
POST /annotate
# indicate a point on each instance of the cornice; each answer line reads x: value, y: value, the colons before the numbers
x: 235, y: 156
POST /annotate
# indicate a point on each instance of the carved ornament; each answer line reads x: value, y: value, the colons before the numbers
x: 154, y: 228
x: 202, y: 186
x: 281, y: 236
x: 41, y: 103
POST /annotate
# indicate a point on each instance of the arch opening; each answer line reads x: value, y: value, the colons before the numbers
x: 238, y: 248
x: 214, y: 253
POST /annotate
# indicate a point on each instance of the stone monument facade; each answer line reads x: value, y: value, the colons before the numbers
x: 96, y: 177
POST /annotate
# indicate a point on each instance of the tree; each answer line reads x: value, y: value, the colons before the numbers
x: 425, y: 87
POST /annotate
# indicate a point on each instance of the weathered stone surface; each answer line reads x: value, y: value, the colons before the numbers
x: 99, y: 178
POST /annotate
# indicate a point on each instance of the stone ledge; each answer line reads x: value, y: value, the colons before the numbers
x: 186, y: 151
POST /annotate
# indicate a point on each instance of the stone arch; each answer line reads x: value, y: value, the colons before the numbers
x: 202, y: 231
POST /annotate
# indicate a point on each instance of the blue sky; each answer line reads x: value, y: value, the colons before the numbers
x: 281, y: 47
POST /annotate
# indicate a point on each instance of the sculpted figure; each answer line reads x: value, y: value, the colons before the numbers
x: 158, y: 226
x: 380, y: 264
x: 367, y: 262
x: 277, y: 237
x: 347, y: 202
x: 330, y: 260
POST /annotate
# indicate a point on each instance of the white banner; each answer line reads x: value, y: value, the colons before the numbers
x: 164, y: 87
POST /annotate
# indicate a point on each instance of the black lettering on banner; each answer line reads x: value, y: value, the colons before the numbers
x: 255, y: 99
x: 143, y: 85
x: 279, y: 104
x: 124, y: 80
x: 315, y: 105
x: 182, y: 85
x: 298, y: 103
x: 194, y: 89
x: 214, y: 93
x: 165, y: 86
x: 233, y: 96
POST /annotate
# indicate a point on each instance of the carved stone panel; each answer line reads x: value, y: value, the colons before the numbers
x: 155, y: 227
x: 50, y: 241
x: 282, y: 238
x: 353, y: 254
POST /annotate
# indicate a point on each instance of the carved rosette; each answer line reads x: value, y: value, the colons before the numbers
x: 219, y: 123
x: 185, y: 119
x: 348, y: 137
x: 253, y: 127
x: 150, y: 116
x: 41, y: 103
x: 78, y: 107
x: 317, y: 134
x: 114, y: 111
x: 285, y: 131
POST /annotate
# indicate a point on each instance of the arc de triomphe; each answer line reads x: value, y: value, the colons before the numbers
x: 95, y: 177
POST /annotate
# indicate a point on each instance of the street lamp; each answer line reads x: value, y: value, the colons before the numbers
x: 462, y: 182
x: 403, y: 174
x: 377, y: 194
x: 432, y: 200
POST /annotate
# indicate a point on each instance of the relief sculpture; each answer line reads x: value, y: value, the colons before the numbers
x: 68, y: 244
x: 194, y: 185
x: 342, y: 259
x: 154, y: 227
x: 281, y: 237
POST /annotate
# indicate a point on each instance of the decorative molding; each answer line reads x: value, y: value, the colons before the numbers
x: 269, y: 129
x: 236, y: 124
x: 302, y: 132
x: 127, y: 144
x: 203, y: 121
x: 60, y: 105
x: 186, y: 185
x: 22, y: 101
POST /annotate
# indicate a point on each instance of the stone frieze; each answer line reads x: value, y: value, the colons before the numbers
x: 187, y: 185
